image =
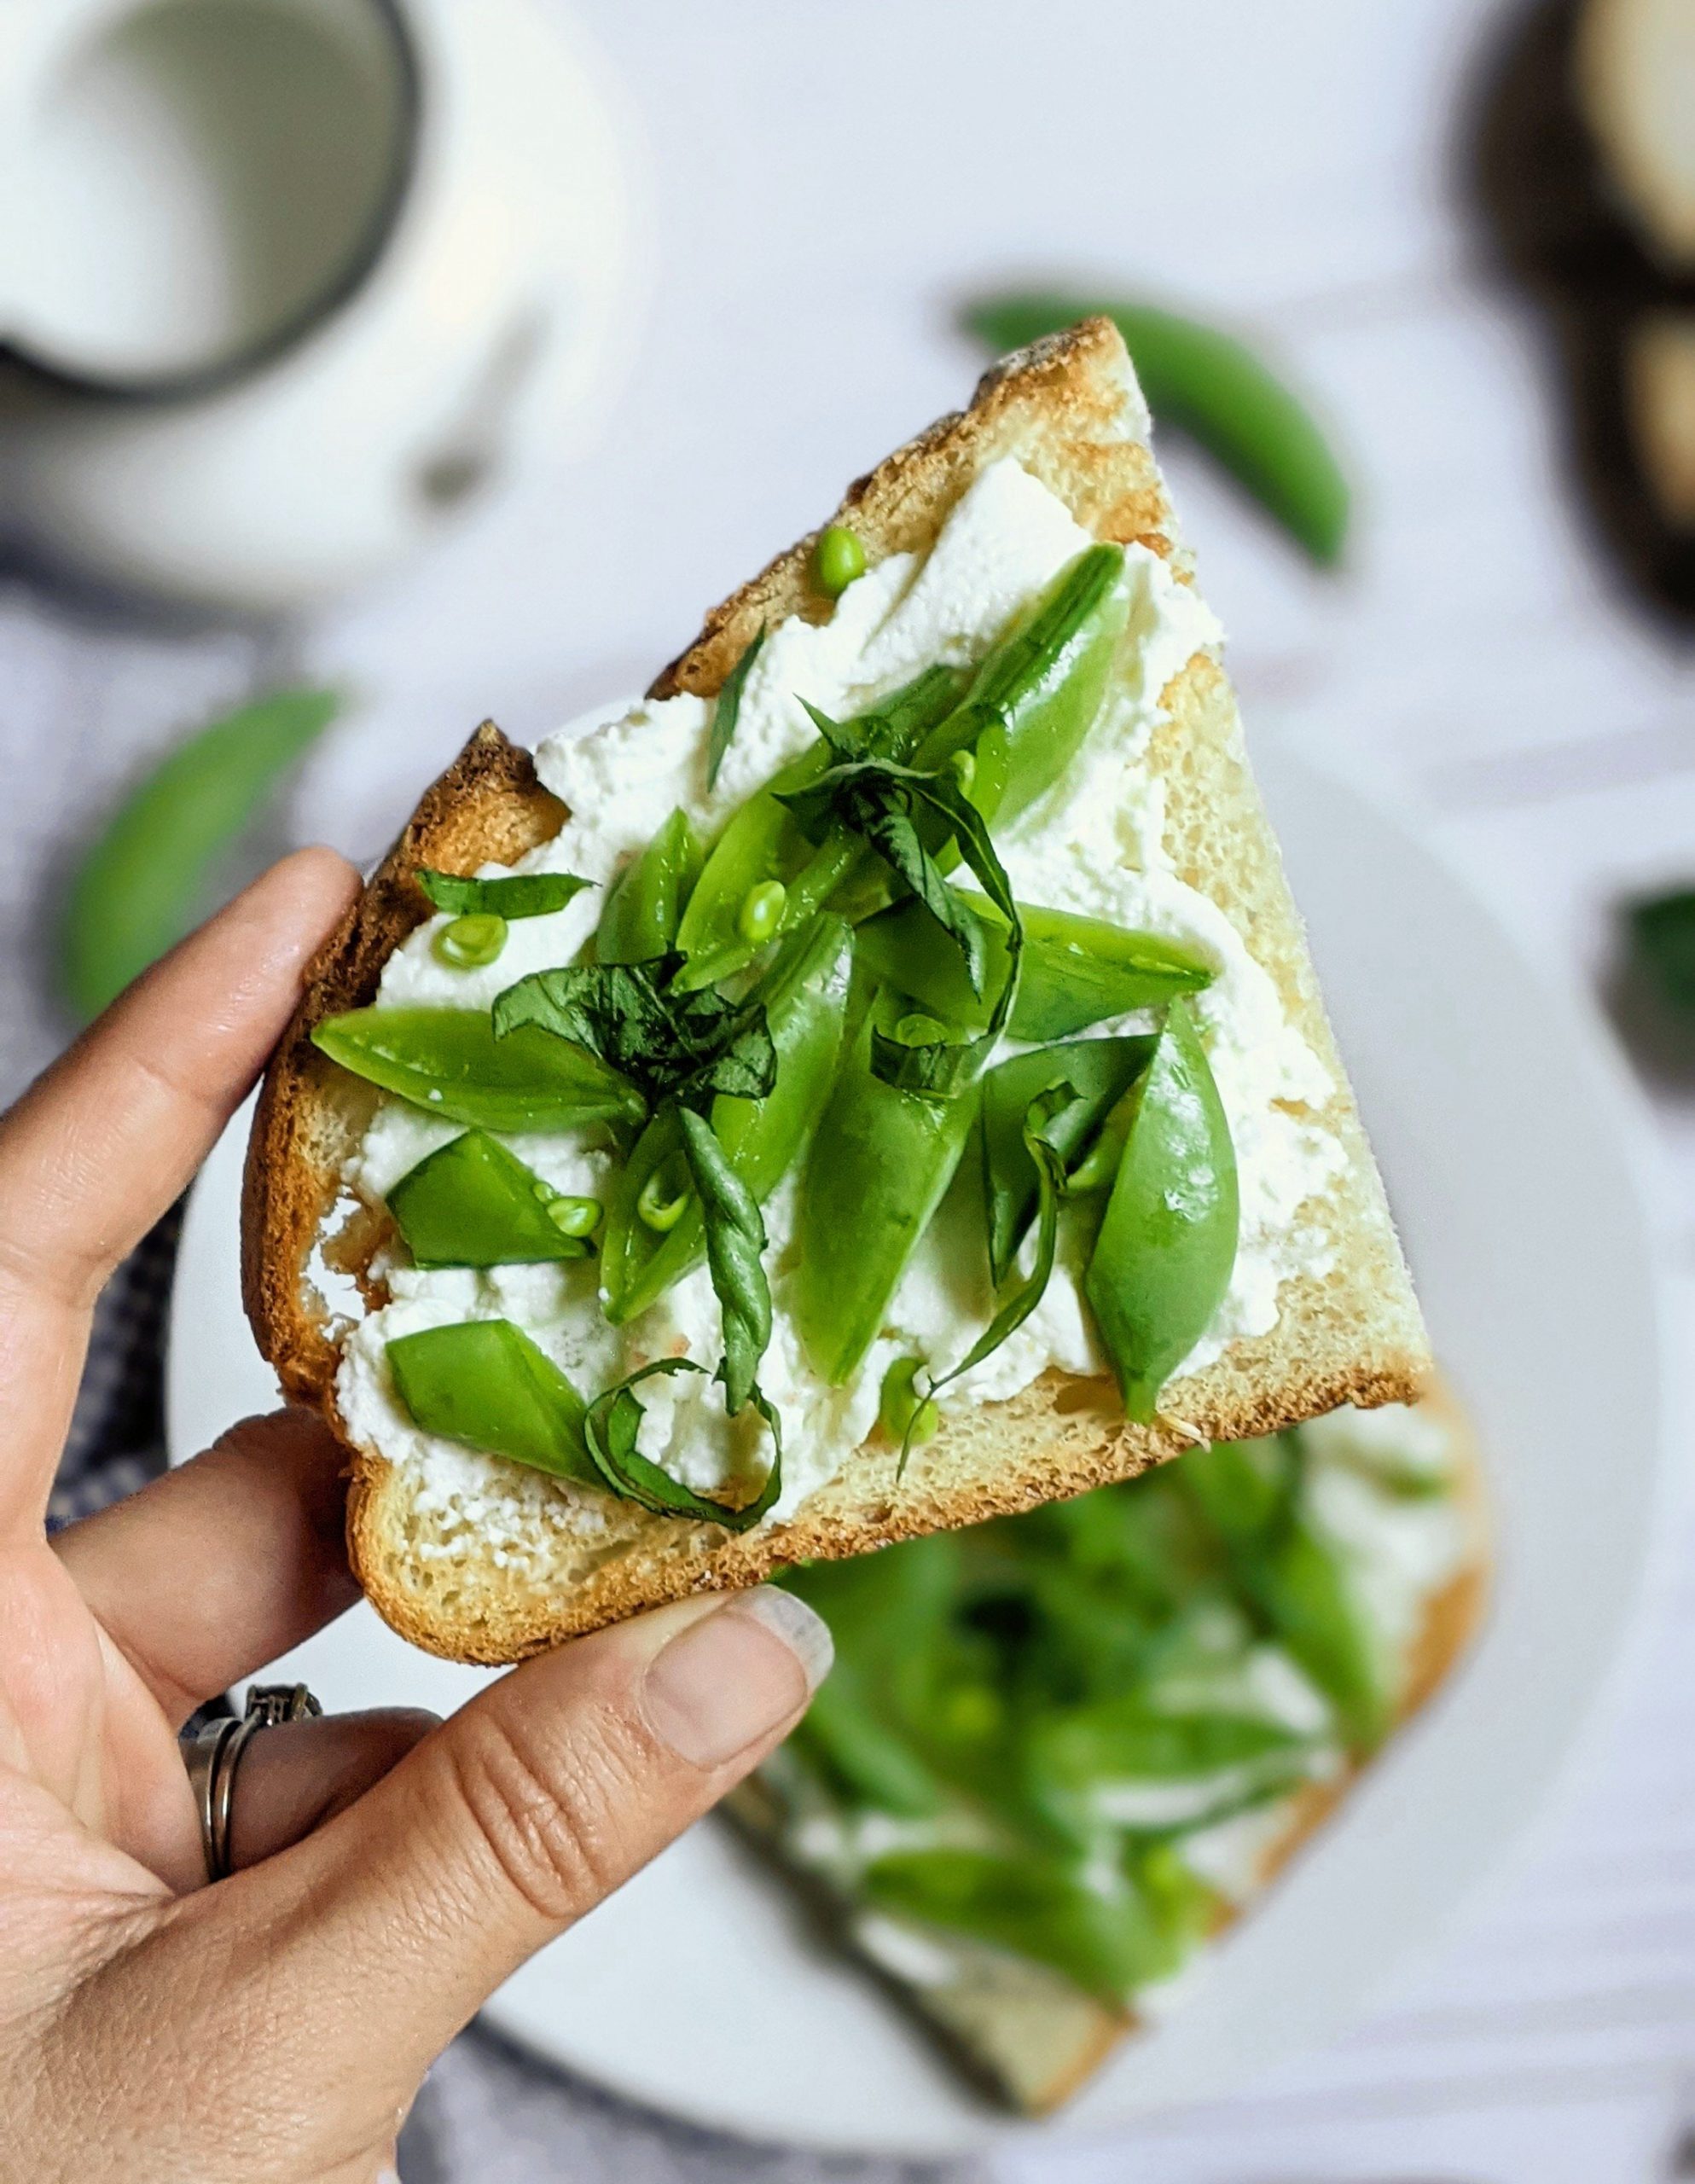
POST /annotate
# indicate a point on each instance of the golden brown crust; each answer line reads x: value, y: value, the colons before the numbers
x: 1069, y: 410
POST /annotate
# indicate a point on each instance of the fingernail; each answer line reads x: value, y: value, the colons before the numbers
x: 734, y: 1676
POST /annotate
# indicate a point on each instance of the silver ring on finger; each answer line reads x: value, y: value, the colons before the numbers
x: 213, y: 1755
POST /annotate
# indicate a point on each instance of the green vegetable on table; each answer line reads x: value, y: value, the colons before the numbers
x: 143, y: 882
x: 449, y: 1062
x: 1162, y: 1262
x: 472, y: 1202
x: 1211, y: 384
x: 645, y: 903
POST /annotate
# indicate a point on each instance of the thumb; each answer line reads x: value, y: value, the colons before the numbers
x: 389, y: 1927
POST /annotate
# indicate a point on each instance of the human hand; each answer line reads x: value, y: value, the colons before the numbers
x: 273, y: 2028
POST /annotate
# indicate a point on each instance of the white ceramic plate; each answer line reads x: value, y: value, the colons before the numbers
x: 1513, y: 1155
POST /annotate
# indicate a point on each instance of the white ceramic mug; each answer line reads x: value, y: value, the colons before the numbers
x: 284, y: 282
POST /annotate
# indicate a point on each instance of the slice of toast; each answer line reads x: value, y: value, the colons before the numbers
x: 1025, y: 2034
x: 1069, y: 410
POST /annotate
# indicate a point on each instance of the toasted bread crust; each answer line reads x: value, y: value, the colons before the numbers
x: 1069, y: 410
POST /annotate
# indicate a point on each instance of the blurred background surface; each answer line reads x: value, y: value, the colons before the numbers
x: 806, y: 199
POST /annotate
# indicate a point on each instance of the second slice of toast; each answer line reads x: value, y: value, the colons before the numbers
x: 1347, y: 1330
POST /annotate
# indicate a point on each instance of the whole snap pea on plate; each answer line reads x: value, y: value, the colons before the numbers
x: 805, y: 1002
x: 1210, y: 385
x: 472, y: 1202
x: 449, y: 1062
x: 1163, y: 1260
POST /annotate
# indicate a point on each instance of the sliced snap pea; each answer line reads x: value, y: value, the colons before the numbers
x: 512, y: 895
x: 469, y: 942
x: 761, y: 842
x: 644, y: 906
x: 1208, y: 384
x: 449, y: 1062
x: 1100, y: 1071
x: 1077, y: 971
x: 141, y: 883
x: 1301, y: 1586
x: 1163, y: 1260
x: 805, y: 998
x: 483, y: 1383
x: 1103, y: 1940
x: 472, y: 1202
x: 880, y: 1162
x: 1034, y: 699
x: 907, y: 1418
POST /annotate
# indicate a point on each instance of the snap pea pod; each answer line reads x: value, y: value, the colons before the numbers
x: 805, y: 999
x: 139, y: 888
x: 1100, y: 1070
x: 1035, y: 697
x: 1293, y: 1581
x: 483, y: 1383
x: 880, y: 1162
x: 1163, y: 1260
x: 1210, y: 385
x: 761, y: 843
x: 1105, y: 1941
x: 1077, y: 971
x: 644, y: 904
x: 472, y: 1202
x: 449, y: 1062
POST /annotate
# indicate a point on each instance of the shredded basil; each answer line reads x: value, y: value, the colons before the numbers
x: 611, y: 1428
x: 519, y: 895
x: 1055, y: 1101
x: 686, y: 1047
x: 728, y: 711
x: 735, y: 1244
x: 878, y: 800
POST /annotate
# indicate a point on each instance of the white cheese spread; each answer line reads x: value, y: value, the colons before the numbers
x: 1095, y: 844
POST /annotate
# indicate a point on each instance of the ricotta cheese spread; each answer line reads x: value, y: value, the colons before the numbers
x: 1095, y: 844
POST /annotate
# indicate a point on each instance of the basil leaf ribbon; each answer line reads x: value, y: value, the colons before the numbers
x: 728, y: 711
x: 685, y: 1047
x: 1049, y: 1161
x: 611, y: 1427
x: 519, y: 895
x: 878, y: 801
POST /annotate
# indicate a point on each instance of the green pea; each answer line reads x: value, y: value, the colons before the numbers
x: 575, y: 1216
x: 918, y: 1030
x: 962, y: 764
x: 900, y: 1405
x: 470, y: 941
x: 761, y: 913
x: 837, y: 559
x: 664, y: 1199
